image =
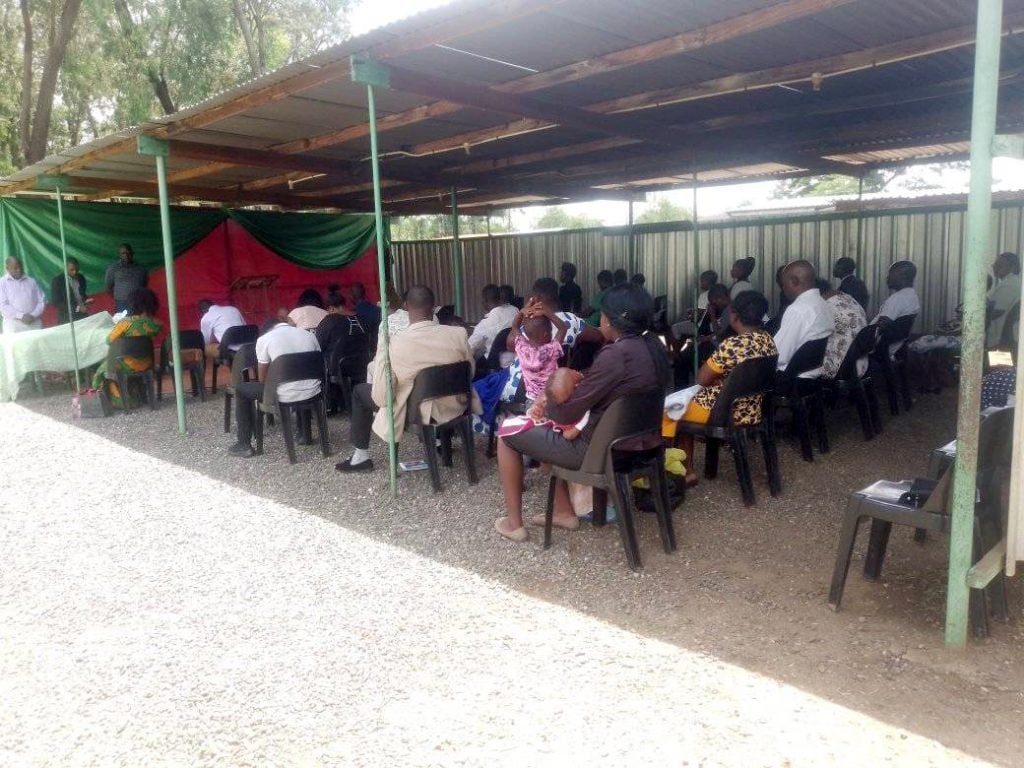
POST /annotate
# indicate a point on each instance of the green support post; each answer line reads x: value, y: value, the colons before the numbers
x: 373, y: 74
x: 159, y: 150
x: 631, y: 258
x: 67, y: 289
x: 979, y: 213
x: 457, y: 255
x: 696, y: 284
x: 860, y: 219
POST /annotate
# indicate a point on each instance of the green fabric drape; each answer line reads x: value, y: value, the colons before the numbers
x: 94, y: 231
x: 29, y: 229
x: 312, y: 240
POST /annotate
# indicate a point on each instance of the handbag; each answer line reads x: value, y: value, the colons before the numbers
x: 91, y: 404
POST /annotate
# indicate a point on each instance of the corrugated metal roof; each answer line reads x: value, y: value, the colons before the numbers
x: 738, y: 98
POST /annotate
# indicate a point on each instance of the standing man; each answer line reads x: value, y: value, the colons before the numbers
x: 807, y: 318
x: 73, y: 283
x: 21, y: 300
x: 124, y: 276
x: 423, y: 344
x: 570, y: 296
x: 277, y: 339
x: 214, y: 321
x: 368, y: 314
x: 497, y: 317
x: 845, y: 271
x: 1005, y: 294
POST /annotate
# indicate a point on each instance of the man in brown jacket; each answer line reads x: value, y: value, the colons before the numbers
x: 423, y: 344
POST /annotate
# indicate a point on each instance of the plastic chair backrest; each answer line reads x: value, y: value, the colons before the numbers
x: 439, y: 381
x: 336, y: 354
x: 629, y: 416
x: 499, y: 345
x: 244, y: 360
x: 188, y: 339
x: 296, y: 366
x: 751, y: 377
x: 238, y: 334
x: 899, y: 329
x: 863, y: 345
x: 138, y: 347
x: 995, y: 454
x: 809, y: 356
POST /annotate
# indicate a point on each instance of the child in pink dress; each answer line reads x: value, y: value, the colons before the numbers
x: 533, y: 344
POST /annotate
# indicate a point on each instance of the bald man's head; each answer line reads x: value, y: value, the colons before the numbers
x: 799, y: 276
x: 419, y: 303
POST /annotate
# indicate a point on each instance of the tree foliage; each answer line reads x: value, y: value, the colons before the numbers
x: 878, y: 180
x: 439, y: 225
x: 663, y: 210
x: 557, y: 217
x: 116, y: 63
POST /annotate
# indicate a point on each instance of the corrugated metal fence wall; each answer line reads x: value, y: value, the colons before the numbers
x: 932, y: 238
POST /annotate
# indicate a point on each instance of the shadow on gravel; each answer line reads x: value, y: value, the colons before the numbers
x: 747, y: 586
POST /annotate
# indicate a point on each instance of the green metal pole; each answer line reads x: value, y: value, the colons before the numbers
x: 67, y: 289
x: 696, y: 284
x: 172, y: 293
x: 457, y: 254
x: 860, y: 219
x: 632, y: 242
x: 385, y: 340
x: 979, y: 213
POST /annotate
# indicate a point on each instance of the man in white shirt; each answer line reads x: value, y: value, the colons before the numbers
x: 214, y: 323
x: 497, y: 317
x: 1003, y: 296
x: 277, y: 339
x: 902, y: 302
x: 21, y: 300
x: 807, y: 318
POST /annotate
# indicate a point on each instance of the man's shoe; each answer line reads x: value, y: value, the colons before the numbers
x: 241, y: 450
x: 348, y: 466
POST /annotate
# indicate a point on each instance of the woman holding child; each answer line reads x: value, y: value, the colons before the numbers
x: 629, y: 363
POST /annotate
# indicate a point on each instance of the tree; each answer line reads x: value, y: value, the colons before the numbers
x: 557, y: 217
x: 663, y: 210
x: 439, y: 225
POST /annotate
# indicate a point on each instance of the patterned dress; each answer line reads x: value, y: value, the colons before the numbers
x: 730, y: 353
x: 850, y: 320
x: 138, y: 325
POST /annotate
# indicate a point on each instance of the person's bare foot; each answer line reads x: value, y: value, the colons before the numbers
x: 566, y: 523
x: 504, y: 526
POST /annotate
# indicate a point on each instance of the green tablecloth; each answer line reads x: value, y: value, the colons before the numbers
x: 49, y: 349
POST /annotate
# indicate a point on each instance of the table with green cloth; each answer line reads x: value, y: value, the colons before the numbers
x: 49, y: 349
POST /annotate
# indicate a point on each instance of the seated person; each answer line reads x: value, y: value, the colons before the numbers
x: 559, y: 389
x: 141, y: 321
x: 424, y: 344
x: 74, y: 281
x: 341, y: 333
x: 807, y: 318
x: 749, y: 343
x: 903, y: 301
x: 1002, y: 296
x: 698, y: 314
x: 309, y: 310
x: 537, y: 351
x: 631, y: 363
x: 497, y: 317
x: 593, y: 312
x: 214, y: 321
x: 740, y: 273
x: 277, y: 339
x: 849, y: 319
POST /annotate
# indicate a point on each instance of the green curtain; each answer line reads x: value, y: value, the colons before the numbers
x: 30, y: 230
x: 312, y: 240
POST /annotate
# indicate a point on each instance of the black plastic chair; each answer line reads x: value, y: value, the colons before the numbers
x: 859, y: 389
x: 139, y: 348
x: 995, y: 441
x: 609, y: 466
x: 492, y: 362
x: 805, y: 397
x: 233, y: 337
x: 749, y: 378
x: 243, y: 368
x: 451, y: 380
x: 298, y: 366
x: 893, y: 365
x: 190, y: 340
x: 342, y: 369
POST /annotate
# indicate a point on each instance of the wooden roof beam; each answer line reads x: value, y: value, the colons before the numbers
x: 832, y: 66
x: 689, y: 41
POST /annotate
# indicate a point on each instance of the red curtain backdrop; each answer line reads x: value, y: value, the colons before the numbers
x: 207, y: 270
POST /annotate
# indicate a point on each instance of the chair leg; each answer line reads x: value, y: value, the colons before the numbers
x: 771, y: 462
x: 820, y: 422
x: 847, y: 538
x: 549, y: 512
x: 803, y: 427
x: 873, y: 409
x: 259, y: 421
x: 429, y: 447
x: 286, y: 428
x: 122, y: 384
x: 160, y: 386
x: 321, y: 427
x: 446, y: 447
x: 904, y: 384
x: 227, y: 411
x: 741, y: 457
x: 662, y: 505
x: 627, y: 522
x: 877, y: 544
x: 920, y: 535
x: 469, y: 445
x: 600, y: 507
x: 711, y: 447
x: 860, y: 400
x: 150, y: 384
x: 213, y: 388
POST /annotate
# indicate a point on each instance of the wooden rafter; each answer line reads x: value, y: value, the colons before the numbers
x: 686, y: 42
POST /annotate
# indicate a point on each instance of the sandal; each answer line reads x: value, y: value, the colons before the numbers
x: 564, y: 524
x: 519, y: 535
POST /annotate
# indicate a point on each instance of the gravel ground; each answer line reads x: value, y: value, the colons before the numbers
x: 201, y: 609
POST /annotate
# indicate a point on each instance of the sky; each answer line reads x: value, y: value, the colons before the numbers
x: 712, y: 202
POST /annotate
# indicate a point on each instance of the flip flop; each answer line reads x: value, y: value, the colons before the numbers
x: 519, y: 535
x: 538, y: 520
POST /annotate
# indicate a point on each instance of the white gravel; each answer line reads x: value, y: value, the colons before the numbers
x: 152, y: 615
